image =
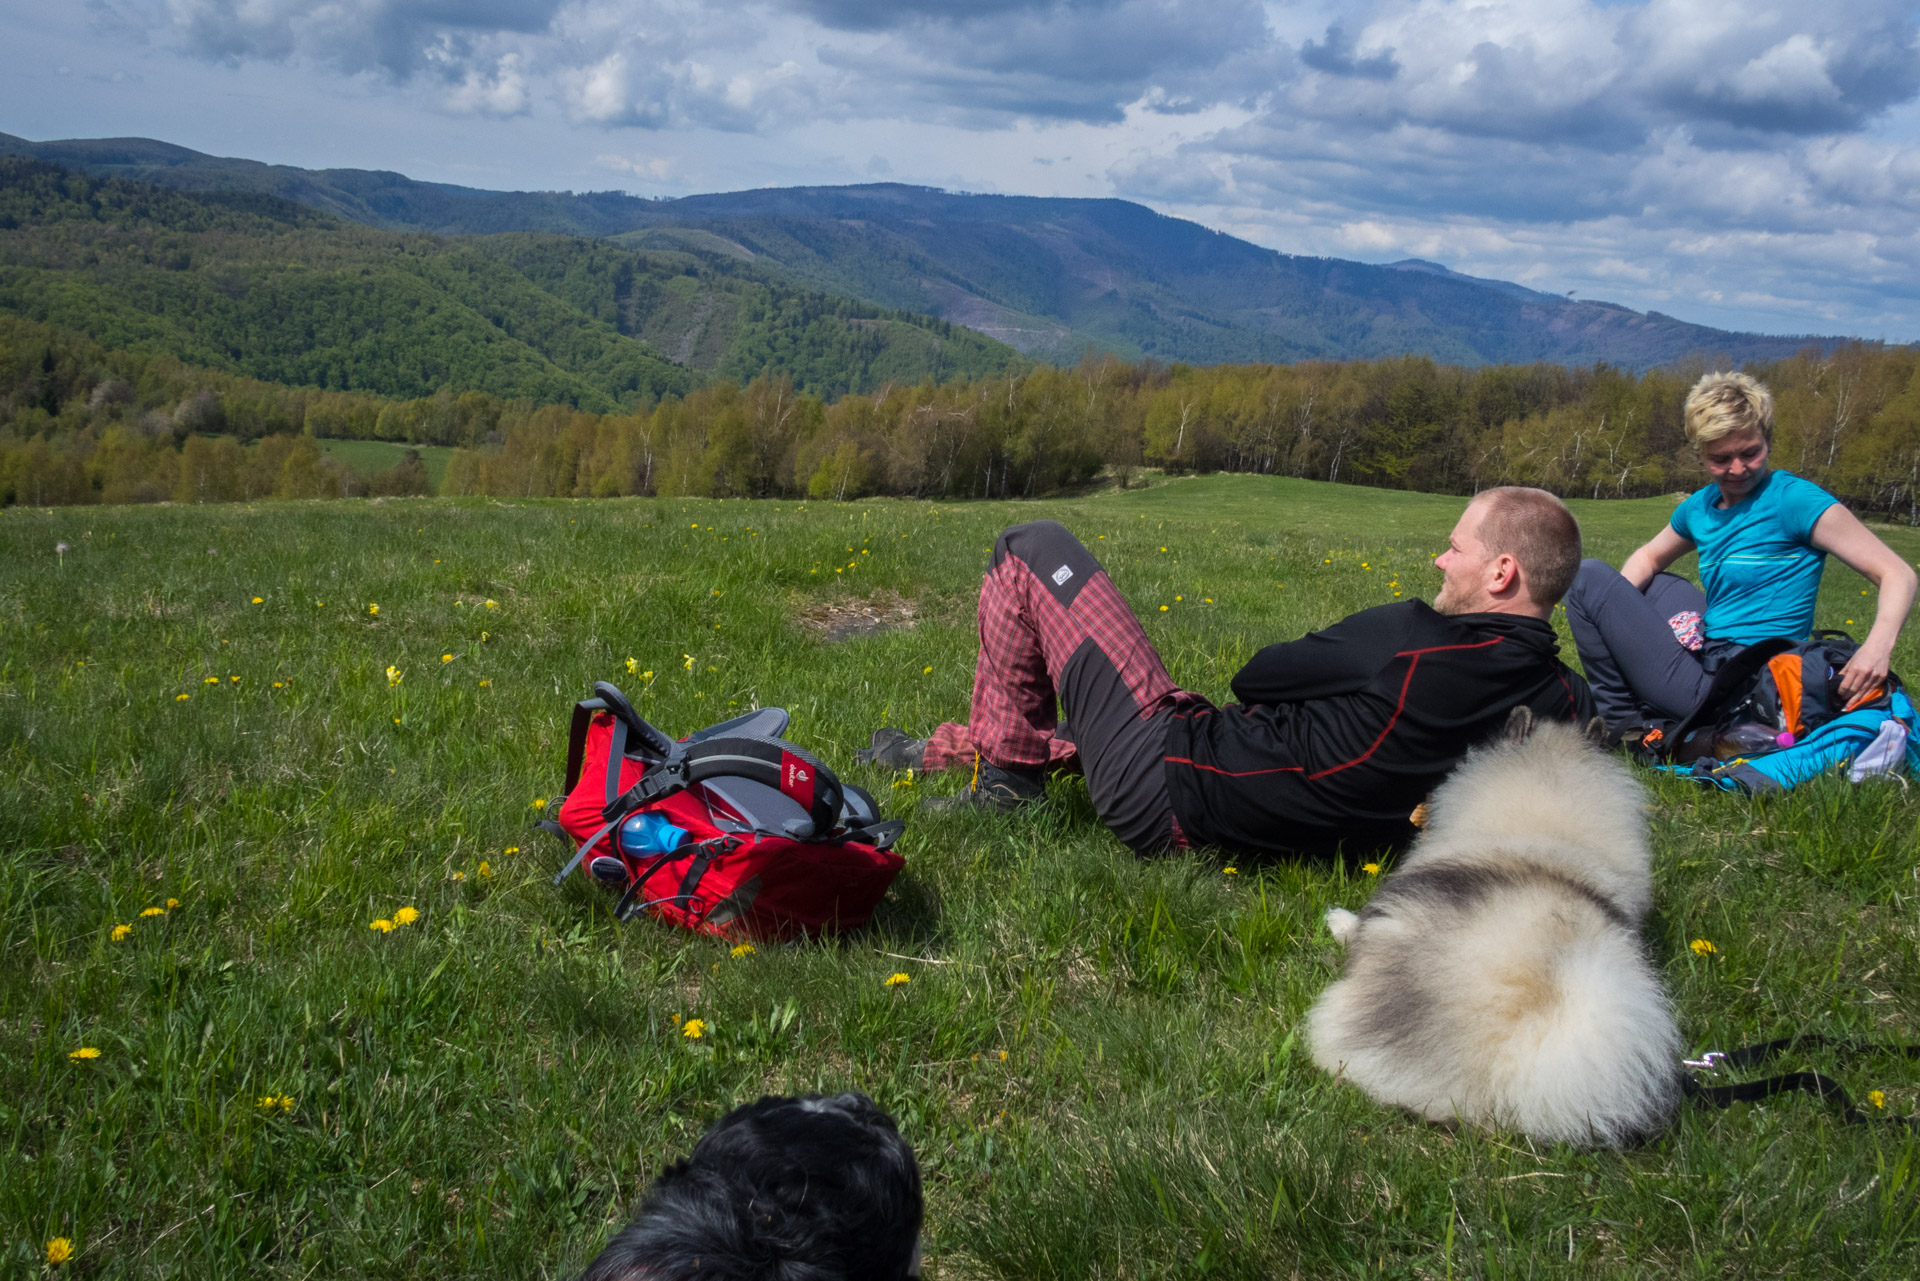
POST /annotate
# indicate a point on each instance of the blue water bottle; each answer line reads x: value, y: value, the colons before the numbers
x: 647, y: 834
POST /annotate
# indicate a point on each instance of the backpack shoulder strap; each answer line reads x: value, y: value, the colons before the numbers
x: 773, y: 762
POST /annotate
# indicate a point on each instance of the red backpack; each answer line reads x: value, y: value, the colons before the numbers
x: 774, y: 845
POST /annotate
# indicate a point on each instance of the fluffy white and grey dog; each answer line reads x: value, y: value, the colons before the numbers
x: 1497, y: 975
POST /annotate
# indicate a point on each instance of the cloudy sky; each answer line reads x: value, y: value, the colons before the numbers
x: 1753, y: 165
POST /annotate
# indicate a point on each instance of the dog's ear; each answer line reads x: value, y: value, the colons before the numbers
x: 1597, y: 732
x: 1519, y: 725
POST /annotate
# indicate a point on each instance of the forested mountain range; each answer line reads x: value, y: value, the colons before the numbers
x: 256, y: 284
x: 1049, y: 276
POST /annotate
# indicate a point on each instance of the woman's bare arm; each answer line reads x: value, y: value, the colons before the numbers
x: 1840, y: 533
x: 1654, y: 555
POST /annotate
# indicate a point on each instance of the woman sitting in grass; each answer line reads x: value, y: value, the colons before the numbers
x: 1651, y: 641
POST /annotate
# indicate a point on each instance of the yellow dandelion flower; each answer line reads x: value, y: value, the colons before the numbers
x: 383, y: 925
x: 926, y: 671
x: 689, y: 663
x: 1163, y: 549
x: 485, y: 683
x: 267, y: 1101
x: 181, y: 698
x: 539, y: 802
x: 153, y: 911
x: 745, y: 949
x: 1003, y: 1059
x: 511, y: 849
x: 895, y: 980
x: 491, y: 604
x: 211, y: 680
x: 485, y: 870
x: 257, y: 600
x: 1371, y: 869
x: 1701, y: 947
x: 279, y: 684
x: 59, y: 1250
x: 633, y: 665
x: 234, y: 679
x: 694, y: 1029
x: 1230, y: 871
x: 172, y: 903
x: 1163, y: 609
x: 121, y: 931
x: 1209, y: 600
x: 485, y: 637
x: 646, y: 675
x: 1178, y: 599
x: 406, y: 916
x: 394, y: 675
x: 84, y: 1052
x: 286, y: 1103
x: 373, y: 611
x: 319, y: 604
x: 459, y: 876
x: 1877, y: 1097
x: 396, y: 721
x: 446, y: 658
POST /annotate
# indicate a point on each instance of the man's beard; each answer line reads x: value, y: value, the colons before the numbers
x: 1445, y: 603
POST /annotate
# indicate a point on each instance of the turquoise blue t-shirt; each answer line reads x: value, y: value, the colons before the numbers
x: 1757, y: 559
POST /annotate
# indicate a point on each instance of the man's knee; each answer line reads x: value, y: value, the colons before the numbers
x: 1052, y: 553
x: 1035, y: 536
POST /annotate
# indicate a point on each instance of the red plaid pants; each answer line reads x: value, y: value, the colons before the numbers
x: 1043, y: 599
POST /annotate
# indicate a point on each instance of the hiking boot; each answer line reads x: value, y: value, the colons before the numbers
x: 893, y: 749
x: 994, y: 789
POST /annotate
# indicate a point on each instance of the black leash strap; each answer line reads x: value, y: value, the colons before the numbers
x: 1815, y: 1083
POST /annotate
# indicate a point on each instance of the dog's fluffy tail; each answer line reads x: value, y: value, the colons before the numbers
x: 1531, y: 1009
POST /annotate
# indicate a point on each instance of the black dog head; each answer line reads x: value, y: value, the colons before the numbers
x: 786, y: 1189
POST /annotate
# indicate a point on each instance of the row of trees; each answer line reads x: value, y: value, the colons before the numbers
x: 79, y: 423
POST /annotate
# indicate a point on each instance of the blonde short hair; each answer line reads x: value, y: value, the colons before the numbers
x: 1724, y: 403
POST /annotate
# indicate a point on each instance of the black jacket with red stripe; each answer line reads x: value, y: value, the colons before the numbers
x: 1340, y: 734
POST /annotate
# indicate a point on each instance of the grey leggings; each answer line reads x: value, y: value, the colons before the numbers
x: 1632, y: 659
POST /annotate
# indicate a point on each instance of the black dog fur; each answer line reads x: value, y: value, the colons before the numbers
x: 786, y: 1189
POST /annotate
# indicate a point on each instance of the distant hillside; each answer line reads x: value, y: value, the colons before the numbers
x: 1048, y: 276
x: 253, y: 283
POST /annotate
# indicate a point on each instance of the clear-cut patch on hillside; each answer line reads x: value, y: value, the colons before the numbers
x: 844, y: 620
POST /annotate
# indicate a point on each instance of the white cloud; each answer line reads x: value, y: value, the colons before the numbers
x: 501, y: 93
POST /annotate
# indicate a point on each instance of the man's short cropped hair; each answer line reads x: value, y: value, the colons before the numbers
x: 1536, y: 529
x: 785, y: 1189
x: 1724, y: 403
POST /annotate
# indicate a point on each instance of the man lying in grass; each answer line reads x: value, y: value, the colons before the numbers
x: 1336, y: 737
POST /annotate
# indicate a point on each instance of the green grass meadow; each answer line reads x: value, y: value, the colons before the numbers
x: 1097, y: 1058
x: 370, y: 456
